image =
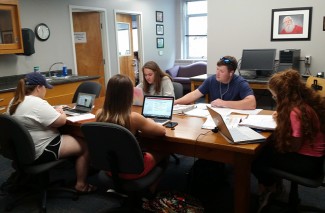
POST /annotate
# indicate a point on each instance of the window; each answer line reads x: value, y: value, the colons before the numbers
x: 195, y: 39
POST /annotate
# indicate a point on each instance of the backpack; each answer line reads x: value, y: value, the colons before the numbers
x: 205, y: 176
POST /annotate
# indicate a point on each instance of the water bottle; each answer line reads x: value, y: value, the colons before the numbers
x: 36, y: 69
x: 64, y: 70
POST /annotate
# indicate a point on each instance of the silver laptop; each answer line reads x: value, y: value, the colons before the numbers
x: 84, y: 104
x: 159, y: 108
x: 235, y: 135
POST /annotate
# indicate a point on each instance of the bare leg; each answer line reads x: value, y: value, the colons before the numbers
x: 163, y: 160
x: 77, y: 147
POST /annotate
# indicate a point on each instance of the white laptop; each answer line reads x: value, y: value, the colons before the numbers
x: 137, y: 96
x: 84, y: 104
x: 159, y: 108
x: 235, y: 135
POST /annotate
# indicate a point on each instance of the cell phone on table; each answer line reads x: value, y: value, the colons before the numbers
x: 171, y: 124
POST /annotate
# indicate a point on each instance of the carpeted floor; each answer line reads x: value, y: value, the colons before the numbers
x: 218, y: 198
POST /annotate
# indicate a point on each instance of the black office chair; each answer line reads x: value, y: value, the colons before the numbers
x: 17, y: 145
x: 294, y: 200
x: 90, y: 87
x: 114, y: 148
x: 178, y: 90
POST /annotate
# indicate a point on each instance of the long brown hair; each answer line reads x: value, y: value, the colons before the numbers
x: 118, y: 101
x: 292, y: 93
x: 159, y: 74
x: 21, y: 91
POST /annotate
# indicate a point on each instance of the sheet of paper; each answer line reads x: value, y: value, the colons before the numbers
x: 227, y: 111
x: 233, y: 120
x: 230, y: 121
x: 180, y: 109
x: 200, y: 110
x: 81, y: 117
x: 208, y: 124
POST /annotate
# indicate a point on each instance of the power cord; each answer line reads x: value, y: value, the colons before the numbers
x: 196, y: 140
x: 307, y: 70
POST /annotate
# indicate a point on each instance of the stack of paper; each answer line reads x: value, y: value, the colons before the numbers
x: 181, y: 109
x: 200, y: 110
x: 80, y: 117
x: 264, y: 122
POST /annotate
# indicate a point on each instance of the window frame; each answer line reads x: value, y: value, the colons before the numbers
x: 186, y: 34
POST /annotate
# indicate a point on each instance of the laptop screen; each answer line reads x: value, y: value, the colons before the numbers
x: 85, y: 101
x: 158, y: 107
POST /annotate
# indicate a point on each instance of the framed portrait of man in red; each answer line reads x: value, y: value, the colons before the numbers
x: 291, y: 24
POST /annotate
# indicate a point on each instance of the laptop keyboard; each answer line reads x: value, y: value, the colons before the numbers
x: 72, y: 110
x: 159, y: 120
x: 238, y: 135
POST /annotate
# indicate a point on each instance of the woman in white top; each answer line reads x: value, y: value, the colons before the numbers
x: 156, y: 82
x: 42, y: 121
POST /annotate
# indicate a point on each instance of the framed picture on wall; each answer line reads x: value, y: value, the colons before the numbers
x: 159, y: 29
x: 291, y: 24
x: 159, y: 16
x: 324, y: 23
x: 160, y: 42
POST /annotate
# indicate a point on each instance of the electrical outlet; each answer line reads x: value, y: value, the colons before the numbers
x: 307, y: 59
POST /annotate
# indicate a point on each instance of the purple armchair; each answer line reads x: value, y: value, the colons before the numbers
x: 182, y: 74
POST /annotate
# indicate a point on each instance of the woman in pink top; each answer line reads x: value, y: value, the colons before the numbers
x: 298, y: 142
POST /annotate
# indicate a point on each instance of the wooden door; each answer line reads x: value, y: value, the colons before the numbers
x: 89, y: 54
x: 126, y: 61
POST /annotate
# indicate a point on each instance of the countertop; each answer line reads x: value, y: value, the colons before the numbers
x: 9, y: 83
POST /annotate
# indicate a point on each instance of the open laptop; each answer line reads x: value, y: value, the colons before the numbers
x: 235, y: 135
x: 84, y: 104
x: 159, y: 108
x: 137, y: 96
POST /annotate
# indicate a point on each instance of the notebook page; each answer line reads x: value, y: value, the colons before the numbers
x: 265, y: 122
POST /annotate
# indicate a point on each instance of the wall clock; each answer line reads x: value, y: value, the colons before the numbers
x: 42, y: 32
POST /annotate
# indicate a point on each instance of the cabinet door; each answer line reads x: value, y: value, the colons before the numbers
x: 10, y: 30
x: 4, y: 100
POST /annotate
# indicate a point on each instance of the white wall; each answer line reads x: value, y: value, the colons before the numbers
x: 232, y: 26
x: 59, y: 46
x: 235, y: 25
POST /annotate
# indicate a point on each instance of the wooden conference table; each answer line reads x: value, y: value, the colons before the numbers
x: 189, y: 139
